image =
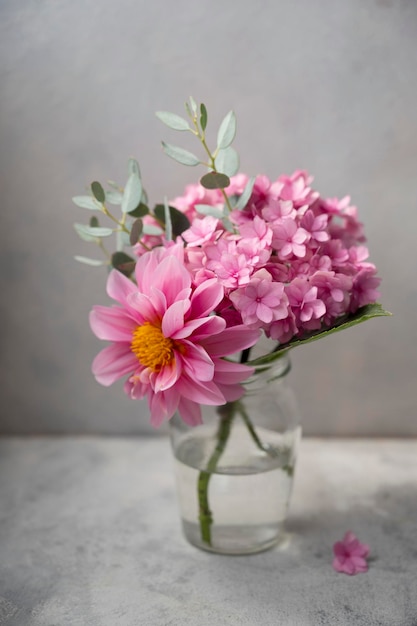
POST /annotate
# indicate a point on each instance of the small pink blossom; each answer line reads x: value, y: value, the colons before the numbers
x: 261, y: 300
x: 289, y: 239
x: 201, y: 231
x: 304, y: 302
x: 350, y: 555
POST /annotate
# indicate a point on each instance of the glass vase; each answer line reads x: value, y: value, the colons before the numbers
x: 234, y: 473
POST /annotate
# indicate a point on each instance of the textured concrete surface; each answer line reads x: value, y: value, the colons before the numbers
x: 89, y: 536
x: 325, y: 85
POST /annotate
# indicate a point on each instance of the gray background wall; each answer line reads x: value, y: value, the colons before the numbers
x: 328, y: 85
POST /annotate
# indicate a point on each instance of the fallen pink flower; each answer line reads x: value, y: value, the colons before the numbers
x: 350, y: 555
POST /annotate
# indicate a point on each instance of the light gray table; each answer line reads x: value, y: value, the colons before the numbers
x: 89, y: 535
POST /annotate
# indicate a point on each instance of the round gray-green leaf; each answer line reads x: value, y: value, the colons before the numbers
x: 180, y: 155
x: 227, y: 161
x: 227, y: 131
x: 215, y: 180
x: 86, y: 202
x: 203, y: 116
x: 87, y: 261
x: 208, y: 209
x: 132, y: 193
x: 176, y: 122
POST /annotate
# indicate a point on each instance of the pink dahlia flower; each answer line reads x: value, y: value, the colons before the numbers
x: 165, y: 340
x: 350, y: 555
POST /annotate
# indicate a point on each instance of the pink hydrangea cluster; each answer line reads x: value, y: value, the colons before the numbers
x: 295, y: 261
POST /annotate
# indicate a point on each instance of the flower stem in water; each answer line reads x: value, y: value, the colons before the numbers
x: 226, y: 413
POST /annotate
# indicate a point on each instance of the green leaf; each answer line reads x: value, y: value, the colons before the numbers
x: 247, y: 192
x: 227, y: 131
x: 180, y: 155
x: 123, y: 263
x: 172, y: 120
x: 203, y: 116
x: 87, y: 261
x: 215, y: 180
x: 87, y: 202
x: 140, y: 211
x: 179, y: 221
x: 362, y: 315
x: 111, y: 183
x: 114, y: 197
x: 132, y: 193
x: 136, y: 231
x: 91, y: 233
x: 208, y: 209
x: 94, y: 222
x: 133, y: 167
x: 98, y: 192
x: 151, y: 229
x: 227, y: 161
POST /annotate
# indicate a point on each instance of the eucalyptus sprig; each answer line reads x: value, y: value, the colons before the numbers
x: 222, y: 163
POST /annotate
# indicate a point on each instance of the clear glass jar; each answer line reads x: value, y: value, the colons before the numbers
x: 234, y: 473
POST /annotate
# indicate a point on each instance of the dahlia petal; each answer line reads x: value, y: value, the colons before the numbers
x: 231, y: 340
x: 114, y: 362
x: 119, y: 287
x: 167, y: 377
x: 200, y: 328
x: 231, y: 392
x: 144, y: 308
x: 206, y: 297
x: 162, y: 406
x: 111, y: 323
x: 201, y: 392
x: 171, y: 277
x: 230, y: 373
x: 173, y: 319
x: 190, y: 412
x: 196, y: 362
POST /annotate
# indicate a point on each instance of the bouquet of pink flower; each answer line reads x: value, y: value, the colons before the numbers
x: 209, y: 272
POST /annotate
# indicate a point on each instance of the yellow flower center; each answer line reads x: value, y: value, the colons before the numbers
x: 151, y: 347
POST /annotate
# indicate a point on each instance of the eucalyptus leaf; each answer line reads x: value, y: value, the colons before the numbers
x: 93, y: 231
x: 151, y: 229
x: 180, y: 155
x: 228, y: 224
x: 94, y: 222
x: 140, y: 211
x: 227, y: 131
x: 133, y: 167
x: 81, y: 231
x: 362, y: 315
x: 208, y: 209
x: 132, y: 193
x: 203, y: 116
x: 179, y: 221
x: 136, y: 231
x: 114, y: 185
x: 227, y: 161
x: 114, y: 197
x: 123, y: 263
x: 193, y: 105
x: 168, y: 223
x: 87, y: 261
x: 98, y: 192
x: 215, y: 180
x: 87, y: 202
x: 176, y: 122
x: 247, y: 192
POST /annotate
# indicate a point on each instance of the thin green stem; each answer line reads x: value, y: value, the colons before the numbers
x: 212, y: 163
x: 250, y: 427
x: 226, y: 413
